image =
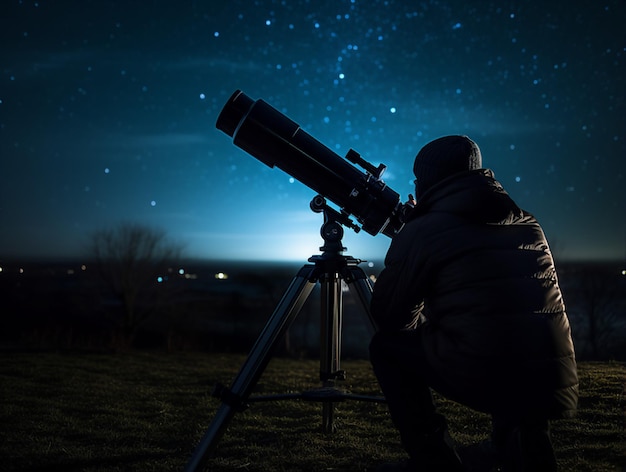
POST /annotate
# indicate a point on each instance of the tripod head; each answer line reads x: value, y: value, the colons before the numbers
x: 332, y: 228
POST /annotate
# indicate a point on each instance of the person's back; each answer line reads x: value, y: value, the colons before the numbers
x: 475, y: 274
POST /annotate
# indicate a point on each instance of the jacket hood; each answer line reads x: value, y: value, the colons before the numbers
x: 474, y: 195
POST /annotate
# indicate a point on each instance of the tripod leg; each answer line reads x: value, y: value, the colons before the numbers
x: 249, y: 374
x: 363, y: 288
x: 331, y: 319
x: 330, y: 345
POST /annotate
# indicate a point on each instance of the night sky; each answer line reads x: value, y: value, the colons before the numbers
x: 108, y: 110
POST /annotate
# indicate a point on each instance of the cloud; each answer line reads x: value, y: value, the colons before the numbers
x: 204, y: 63
x: 31, y: 64
x: 166, y: 140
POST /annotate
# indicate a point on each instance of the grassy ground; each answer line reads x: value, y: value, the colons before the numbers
x: 147, y: 411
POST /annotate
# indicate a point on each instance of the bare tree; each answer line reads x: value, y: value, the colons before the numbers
x: 130, y: 259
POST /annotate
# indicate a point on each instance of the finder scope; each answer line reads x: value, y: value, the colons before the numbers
x: 277, y: 141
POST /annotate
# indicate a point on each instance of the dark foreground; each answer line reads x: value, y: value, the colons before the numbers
x: 147, y: 411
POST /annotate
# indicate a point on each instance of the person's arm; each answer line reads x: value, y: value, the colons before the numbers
x: 397, y: 298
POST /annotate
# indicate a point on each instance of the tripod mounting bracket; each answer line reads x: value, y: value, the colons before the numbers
x: 332, y: 229
x: 228, y: 397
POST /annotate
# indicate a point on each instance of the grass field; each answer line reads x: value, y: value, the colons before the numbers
x: 147, y: 411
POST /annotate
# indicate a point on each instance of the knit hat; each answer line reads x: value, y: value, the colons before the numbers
x: 444, y: 157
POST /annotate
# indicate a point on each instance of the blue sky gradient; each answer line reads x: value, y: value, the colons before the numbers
x: 108, y: 110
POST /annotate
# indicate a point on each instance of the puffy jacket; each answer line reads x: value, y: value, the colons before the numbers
x: 476, y: 274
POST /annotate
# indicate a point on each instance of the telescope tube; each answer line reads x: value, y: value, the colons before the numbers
x: 277, y: 141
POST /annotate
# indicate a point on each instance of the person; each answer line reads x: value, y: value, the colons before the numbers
x: 468, y: 305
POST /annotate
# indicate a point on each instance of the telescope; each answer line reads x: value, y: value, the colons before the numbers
x: 277, y: 141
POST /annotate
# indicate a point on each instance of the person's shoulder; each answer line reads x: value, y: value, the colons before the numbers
x: 426, y: 223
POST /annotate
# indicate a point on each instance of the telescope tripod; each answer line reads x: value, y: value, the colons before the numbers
x: 330, y: 269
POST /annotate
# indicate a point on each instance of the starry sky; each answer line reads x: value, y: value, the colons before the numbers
x: 108, y: 110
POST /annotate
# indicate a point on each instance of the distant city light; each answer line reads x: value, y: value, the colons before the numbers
x: 221, y: 276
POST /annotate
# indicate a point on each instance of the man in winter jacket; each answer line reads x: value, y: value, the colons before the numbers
x: 469, y: 305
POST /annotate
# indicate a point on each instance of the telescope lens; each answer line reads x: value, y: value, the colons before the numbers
x: 231, y: 115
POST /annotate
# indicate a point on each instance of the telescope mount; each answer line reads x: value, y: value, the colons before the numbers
x: 331, y: 269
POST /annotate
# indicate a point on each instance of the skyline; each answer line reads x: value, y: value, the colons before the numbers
x: 108, y: 110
